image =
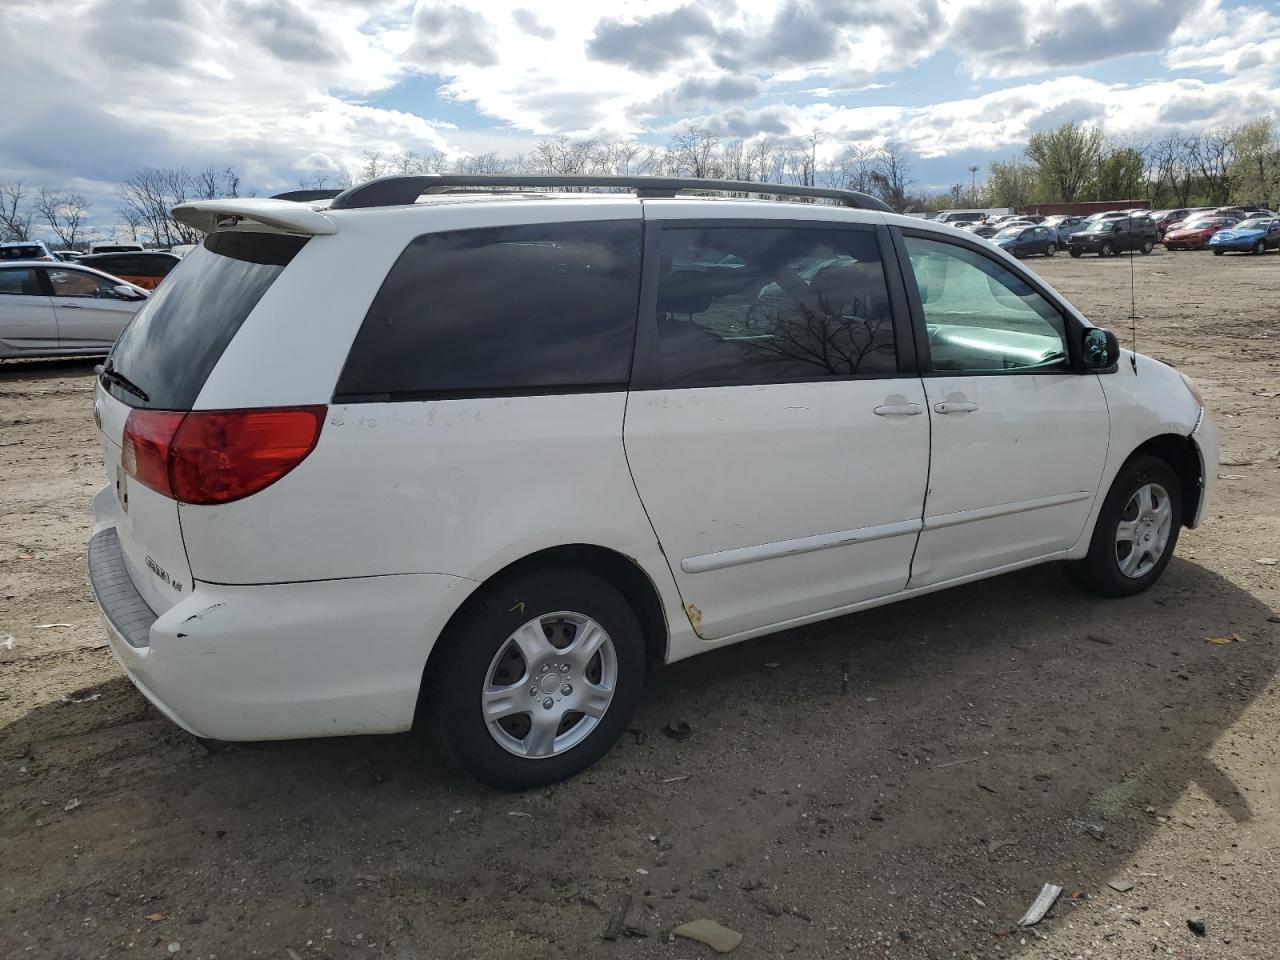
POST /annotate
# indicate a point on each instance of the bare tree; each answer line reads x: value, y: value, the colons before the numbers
x: 65, y: 213
x: 1212, y: 152
x: 131, y: 220
x: 15, y: 211
x: 891, y: 174
x: 151, y: 193
x: 694, y: 152
x: 850, y: 170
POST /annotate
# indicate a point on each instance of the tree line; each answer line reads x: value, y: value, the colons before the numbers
x: 1072, y: 162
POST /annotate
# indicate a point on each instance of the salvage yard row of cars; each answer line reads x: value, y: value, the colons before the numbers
x: 1220, y: 229
x: 52, y: 304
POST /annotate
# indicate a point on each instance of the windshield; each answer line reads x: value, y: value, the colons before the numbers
x: 1099, y: 226
x: 171, y: 346
x: 1202, y: 224
x: 1008, y: 233
x: 1258, y: 224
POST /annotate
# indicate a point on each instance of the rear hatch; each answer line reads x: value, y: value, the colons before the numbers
x: 151, y: 380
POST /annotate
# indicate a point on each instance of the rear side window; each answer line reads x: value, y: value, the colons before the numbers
x: 543, y: 308
x: 744, y: 305
x: 20, y: 281
x: 21, y: 253
x: 171, y: 346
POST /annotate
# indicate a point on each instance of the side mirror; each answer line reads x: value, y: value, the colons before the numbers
x: 125, y: 292
x: 1100, y: 349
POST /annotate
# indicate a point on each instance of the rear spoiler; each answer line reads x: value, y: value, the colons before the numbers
x: 286, y: 215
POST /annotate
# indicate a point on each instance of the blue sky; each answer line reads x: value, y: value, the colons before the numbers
x: 286, y: 90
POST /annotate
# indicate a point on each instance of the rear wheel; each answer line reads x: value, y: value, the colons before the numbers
x: 1051, y: 250
x: 1106, y: 249
x: 1136, y: 532
x: 1147, y: 247
x: 537, y: 679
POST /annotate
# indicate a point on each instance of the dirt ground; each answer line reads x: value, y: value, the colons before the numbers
x: 895, y: 784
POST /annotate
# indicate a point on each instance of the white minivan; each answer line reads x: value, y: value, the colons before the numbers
x: 453, y: 452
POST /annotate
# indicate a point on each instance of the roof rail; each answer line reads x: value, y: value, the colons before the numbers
x: 306, y: 196
x: 397, y: 191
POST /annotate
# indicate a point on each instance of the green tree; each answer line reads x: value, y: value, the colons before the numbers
x: 1011, y: 184
x: 1254, y: 173
x: 1121, y: 174
x: 1066, y: 158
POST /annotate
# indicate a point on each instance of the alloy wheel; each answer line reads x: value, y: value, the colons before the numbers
x: 549, y: 685
x: 1143, y: 532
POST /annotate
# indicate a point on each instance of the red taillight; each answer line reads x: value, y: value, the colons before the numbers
x: 216, y: 456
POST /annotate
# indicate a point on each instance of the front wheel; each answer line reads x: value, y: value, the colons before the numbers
x: 1106, y: 249
x: 1260, y: 247
x: 1076, y: 254
x: 537, y: 679
x: 1051, y: 250
x: 1136, y: 532
x: 1217, y: 252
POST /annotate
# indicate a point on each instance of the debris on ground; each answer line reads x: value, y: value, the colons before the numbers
x: 619, y: 919
x: 46, y: 626
x: 154, y: 917
x: 7, y: 642
x: 1120, y: 886
x: 718, y: 938
x: 638, y: 733
x: 1268, y: 561
x: 71, y: 804
x: 83, y: 695
x: 1223, y: 640
x: 1102, y: 640
x: 1097, y: 832
x: 678, y: 729
x: 175, y: 947
x: 1041, y: 905
x: 1196, y: 926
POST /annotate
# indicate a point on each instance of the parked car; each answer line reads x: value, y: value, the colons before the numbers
x: 414, y: 496
x: 144, y: 269
x: 1236, y: 213
x: 115, y: 246
x: 25, y: 250
x: 1114, y: 235
x: 67, y: 256
x: 58, y: 309
x: 956, y: 217
x: 1025, y: 241
x: 1194, y: 233
x: 1064, y: 225
x: 1255, y: 235
x: 1163, y: 219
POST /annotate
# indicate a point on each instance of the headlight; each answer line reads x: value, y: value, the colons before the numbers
x: 1192, y: 387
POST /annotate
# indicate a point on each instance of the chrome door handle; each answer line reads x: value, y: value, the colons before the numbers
x: 898, y: 410
x: 955, y: 406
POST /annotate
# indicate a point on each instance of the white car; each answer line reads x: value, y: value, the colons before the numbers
x: 478, y: 460
x: 61, y: 309
x: 115, y: 246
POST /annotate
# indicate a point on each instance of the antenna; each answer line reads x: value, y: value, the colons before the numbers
x: 1133, y: 302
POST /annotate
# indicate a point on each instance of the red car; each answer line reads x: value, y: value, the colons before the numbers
x: 1194, y: 232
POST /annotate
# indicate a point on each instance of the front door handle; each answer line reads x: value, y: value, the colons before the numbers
x: 69, y: 306
x: 898, y: 410
x: 955, y: 406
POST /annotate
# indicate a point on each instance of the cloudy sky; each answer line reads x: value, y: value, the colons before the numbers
x: 281, y: 89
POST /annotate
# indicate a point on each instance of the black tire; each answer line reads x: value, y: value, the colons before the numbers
x: 1099, y: 570
x: 1075, y: 254
x: 458, y: 672
x: 1260, y: 247
x: 1218, y: 253
x: 1051, y: 250
x: 1106, y: 249
x: 1146, y: 248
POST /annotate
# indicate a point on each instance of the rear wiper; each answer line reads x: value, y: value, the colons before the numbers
x: 123, y: 382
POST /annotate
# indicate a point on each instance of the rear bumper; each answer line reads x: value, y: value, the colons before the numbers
x: 277, y: 661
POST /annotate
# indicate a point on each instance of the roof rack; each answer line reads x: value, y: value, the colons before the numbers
x: 397, y: 191
x: 306, y: 196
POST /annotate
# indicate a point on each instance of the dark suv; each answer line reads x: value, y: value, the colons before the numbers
x: 1107, y: 237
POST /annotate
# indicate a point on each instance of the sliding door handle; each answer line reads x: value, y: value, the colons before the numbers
x: 955, y: 406
x: 898, y: 410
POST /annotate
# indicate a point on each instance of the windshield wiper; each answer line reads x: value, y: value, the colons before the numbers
x: 123, y: 382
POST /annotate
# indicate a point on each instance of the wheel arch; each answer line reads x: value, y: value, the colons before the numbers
x: 623, y: 573
x: 1182, y: 456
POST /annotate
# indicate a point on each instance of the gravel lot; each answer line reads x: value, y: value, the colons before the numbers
x: 894, y: 784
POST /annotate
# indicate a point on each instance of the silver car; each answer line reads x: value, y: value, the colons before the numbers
x: 60, y: 309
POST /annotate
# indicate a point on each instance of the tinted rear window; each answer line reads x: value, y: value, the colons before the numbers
x: 131, y: 264
x: 173, y: 343
x: 534, y: 309
x: 21, y: 253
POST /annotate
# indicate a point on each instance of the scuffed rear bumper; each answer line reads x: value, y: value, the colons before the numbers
x: 279, y: 661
